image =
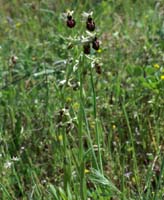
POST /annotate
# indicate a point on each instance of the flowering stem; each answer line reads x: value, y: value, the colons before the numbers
x: 96, y: 122
x: 80, y: 131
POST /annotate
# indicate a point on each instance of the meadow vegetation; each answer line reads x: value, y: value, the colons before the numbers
x: 78, y: 122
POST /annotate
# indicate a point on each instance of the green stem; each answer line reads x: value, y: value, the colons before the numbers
x: 80, y: 130
x: 136, y: 173
x: 96, y: 123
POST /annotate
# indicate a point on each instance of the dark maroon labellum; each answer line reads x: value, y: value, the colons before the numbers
x: 95, y: 44
x: 98, y: 68
x: 87, y: 48
x: 14, y: 60
x: 70, y: 22
x: 90, y: 24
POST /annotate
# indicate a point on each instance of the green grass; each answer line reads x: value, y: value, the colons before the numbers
x: 76, y: 126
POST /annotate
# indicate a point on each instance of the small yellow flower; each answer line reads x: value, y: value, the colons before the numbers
x: 133, y: 180
x: 68, y: 99
x: 76, y: 106
x: 99, y: 50
x: 86, y: 171
x: 162, y: 77
x: 92, y: 124
x: 33, y: 58
x: 114, y: 127
x: 156, y: 66
x: 18, y: 25
x: 60, y: 138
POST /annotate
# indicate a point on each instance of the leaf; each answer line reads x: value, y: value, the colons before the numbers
x: 98, y: 178
x: 138, y: 71
x: 53, y: 191
x: 129, y: 70
x: 47, y: 71
x: 150, y: 70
